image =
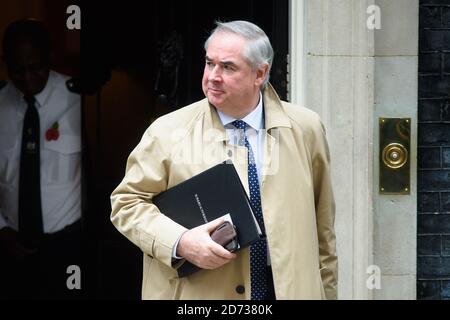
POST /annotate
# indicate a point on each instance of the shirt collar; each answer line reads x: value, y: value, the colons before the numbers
x: 254, y: 119
x: 41, y: 97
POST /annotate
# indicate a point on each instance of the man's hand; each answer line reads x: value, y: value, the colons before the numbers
x: 10, y: 244
x: 196, y: 246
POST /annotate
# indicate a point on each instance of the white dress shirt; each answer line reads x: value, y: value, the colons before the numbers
x: 255, y: 133
x: 60, y: 159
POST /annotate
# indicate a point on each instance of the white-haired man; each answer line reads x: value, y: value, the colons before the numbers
x: 283, y: 162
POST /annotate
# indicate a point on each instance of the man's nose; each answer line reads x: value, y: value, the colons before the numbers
x: 214, y: 74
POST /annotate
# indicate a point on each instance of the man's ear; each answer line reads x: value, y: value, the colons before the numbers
x: 261, y: 74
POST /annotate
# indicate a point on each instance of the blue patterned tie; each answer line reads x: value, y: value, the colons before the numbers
x: 258, y: 251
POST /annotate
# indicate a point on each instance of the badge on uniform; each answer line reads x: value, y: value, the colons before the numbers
x: 53, y: 132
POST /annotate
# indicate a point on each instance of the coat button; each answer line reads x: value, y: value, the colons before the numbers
x: 230, y: 153
x: 240, y: 289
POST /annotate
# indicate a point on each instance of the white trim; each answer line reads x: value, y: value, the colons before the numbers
x: 297, y: 56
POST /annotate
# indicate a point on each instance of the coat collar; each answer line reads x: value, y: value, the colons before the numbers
x: 275, y: 117
x: 274, y: 114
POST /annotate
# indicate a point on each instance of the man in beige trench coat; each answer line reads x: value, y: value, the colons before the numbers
x: 293, y: 166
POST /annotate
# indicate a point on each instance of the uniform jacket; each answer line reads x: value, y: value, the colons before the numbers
x: 296, y: 194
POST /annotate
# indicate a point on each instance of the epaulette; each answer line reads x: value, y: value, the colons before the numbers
x: 70, y: 85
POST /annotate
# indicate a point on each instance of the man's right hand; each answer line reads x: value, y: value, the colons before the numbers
x: 9, y: 242
x: 196, y: 246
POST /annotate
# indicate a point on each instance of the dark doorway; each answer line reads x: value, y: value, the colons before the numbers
x: 141, y: 62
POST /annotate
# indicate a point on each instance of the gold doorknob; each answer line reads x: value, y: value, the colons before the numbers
x: 395, y: 155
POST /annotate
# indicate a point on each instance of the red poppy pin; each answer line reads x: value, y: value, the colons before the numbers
x: 52, y: 133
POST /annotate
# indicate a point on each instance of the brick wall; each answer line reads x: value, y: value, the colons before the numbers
x: 433, y: 229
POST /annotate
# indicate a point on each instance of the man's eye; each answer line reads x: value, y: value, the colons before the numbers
x: 229, y: 68
x: 209, y: 63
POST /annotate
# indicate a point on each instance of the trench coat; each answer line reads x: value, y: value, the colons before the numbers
x: 296, y: 197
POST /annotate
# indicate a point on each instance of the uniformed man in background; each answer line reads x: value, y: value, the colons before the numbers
x: 40, y: 170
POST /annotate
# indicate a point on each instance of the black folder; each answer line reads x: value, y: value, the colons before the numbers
x: 207, y: 196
